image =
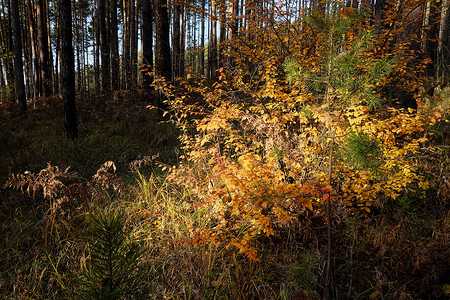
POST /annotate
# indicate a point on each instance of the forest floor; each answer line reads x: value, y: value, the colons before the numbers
x: 400, y: 250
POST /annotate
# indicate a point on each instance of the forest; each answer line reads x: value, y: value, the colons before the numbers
x: 225, y: 149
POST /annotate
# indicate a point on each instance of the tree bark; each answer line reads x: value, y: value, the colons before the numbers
x: 115, y: 59
x: 133, y: 42
x: 163, y: 62
x: 68, y: 70
x: 104, y: 47
x: 222, y: 34
x: 202, y: 40
x: 126, y: 44
x: 37, y: 86
x: 147, y: 42
x: 10, y: 48
x: 176, y: 40
x: 212, y: 55
x: 44, y: 56
x: 96, y: 49
x: 20, y: 96
x: 441, y: 40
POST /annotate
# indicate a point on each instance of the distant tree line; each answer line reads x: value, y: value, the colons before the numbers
x: 179, y: 38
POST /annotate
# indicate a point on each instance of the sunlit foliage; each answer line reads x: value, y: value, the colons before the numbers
x: 294, y: 121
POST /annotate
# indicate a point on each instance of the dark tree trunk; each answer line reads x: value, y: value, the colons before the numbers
x: 68, y: 70
x: 202, y: 41
x: 430, y: 45
x: 380, y: 8
x: 104, y: 47
x: 162, y: 49
x: 77, y: 50
x: 10, y: 48
x: 56, y: 79
x: 37, y: 90
x: 126, y: 10
x: 147, y: 41
x: 176, y: 40
x: 18, y: 63
x: 115, y: 47
x: 49, y: 47
x: 440, y: 63
x: 133, y: 42
x: 44, y: 57
x: 183, y: 19
x: 222, y: 34
x: 96, y: 48
x: 212, y: 55
x: 2, y: 80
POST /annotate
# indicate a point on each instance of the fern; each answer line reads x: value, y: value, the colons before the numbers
x: 48, y: 181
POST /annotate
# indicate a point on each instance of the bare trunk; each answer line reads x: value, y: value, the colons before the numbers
x: 212, y: 55
x: 147, y: 42
x: 162, y: 49
x: 222, y: 34
x: 126, y: 43
x: 133, y: 42
x: 20, y: 96
x: 104, y: 47
x: 176, y: 40
x: 44, y: 57
x: 440, y: 48
x: 68, y: 70
x: 202, y: 41
x: 115, y: 59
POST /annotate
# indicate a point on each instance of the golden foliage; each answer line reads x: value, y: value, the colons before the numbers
x: 257, y: 150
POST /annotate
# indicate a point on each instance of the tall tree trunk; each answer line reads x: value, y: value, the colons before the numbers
x: 126, y: 43
x: 222, y: 34
x: 233, y: 29
x: 96, y: 49
x: 68, y: 70
x: 430, y: 45
x: 44, y: 57
x: 182, y: 57
x: 212, y: 55
x: 77, y: 49
x: 133, y: 42
x: 176, y: 40
x: 49, y: 47
x: 147, y: 42
x: 82, y: 69
x: 20, y: 96
x: 10, y: 48
x: 104, y: 47
x: 425, y: 24
x: 440, y: 49
x: 115, y: 59
x: 26, y: 50
x: 202, y: 40
x: 56, y: 79
x: 163, y: 63
x: 33, y: 45
x: 2, y: 81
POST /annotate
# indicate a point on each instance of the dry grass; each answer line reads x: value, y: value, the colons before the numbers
x: 399, y: 250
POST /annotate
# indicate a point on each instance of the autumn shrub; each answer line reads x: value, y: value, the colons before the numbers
x: 281, y: 132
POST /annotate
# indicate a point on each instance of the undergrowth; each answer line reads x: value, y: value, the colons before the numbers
x: 114, y: 226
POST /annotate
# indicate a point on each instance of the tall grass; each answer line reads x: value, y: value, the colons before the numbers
x: 43, y: 254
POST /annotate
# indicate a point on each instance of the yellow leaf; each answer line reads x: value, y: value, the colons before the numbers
x: 375, y: 295
x: 446, y: 289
